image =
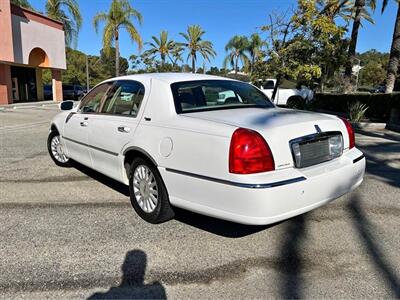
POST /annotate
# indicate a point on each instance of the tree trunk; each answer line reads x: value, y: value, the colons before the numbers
x: 116, y: 54
x: 236, y: 64
x: 193, y: 64
x: 353, y: 44
x: 394, y: 56
x: 162, y: 61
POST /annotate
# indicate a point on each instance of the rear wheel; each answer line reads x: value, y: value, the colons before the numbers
x: 296, y: 102
x: 148, y: 194
x: 56, y: 150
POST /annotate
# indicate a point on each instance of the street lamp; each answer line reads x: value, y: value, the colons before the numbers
x: 87, y: 72
x: 356, y: 71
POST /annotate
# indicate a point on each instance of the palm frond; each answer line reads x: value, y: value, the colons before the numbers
x: 133, y: 33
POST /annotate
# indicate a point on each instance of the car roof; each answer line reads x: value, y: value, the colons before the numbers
x: 169, y: 77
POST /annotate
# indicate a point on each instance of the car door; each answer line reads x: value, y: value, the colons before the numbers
x: 114, y: 127
x: 77, y: 126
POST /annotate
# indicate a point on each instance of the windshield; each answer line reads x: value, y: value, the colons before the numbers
x: 201, y: 95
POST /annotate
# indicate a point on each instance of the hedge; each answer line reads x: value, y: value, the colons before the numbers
x: 379, y: 105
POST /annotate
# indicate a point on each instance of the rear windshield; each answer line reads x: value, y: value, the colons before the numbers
x: 201, y: 95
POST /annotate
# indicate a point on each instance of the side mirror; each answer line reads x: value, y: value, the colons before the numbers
x: 67, y: 105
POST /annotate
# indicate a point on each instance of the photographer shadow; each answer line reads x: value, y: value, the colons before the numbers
x: 132, y: 284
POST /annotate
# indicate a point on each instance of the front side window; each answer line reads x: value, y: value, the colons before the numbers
x: 91, y: 102
x: 124, y: 99
x: 199, y: 95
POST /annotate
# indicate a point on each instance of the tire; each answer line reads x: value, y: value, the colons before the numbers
x: 296, y: 102
x: 55, y: 150
x: 148, y: 194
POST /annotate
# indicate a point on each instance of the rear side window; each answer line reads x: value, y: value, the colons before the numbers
x: 91, y: 102
x: 199, y: 95
x: 125, y: 98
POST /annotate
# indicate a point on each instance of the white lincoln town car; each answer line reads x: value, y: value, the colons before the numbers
x: 207, y: 144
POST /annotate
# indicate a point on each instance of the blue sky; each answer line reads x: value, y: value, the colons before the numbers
x: 221, y: 19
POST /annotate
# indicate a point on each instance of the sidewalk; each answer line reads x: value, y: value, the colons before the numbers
x: 29, y: 105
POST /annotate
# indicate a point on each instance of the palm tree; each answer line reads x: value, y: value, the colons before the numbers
x: 254, y: 48
x: 118, y: 17
x: 176, y: 54
x: 161, y: 46
x: 195, y: 44
x: 336, y: 8
x: 359, y: 12
x: 237, y: 47
x: 67, y: 12
x: 394, y: 57
x: 22, y: 3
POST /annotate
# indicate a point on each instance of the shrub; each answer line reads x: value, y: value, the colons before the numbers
x: 357, y: 111
x: 379, y: 105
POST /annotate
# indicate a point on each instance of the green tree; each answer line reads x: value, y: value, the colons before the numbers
x: 254, y: 48
x: 393, y: 64
x: 108, y: 58
x: 195, y: 44
x: 237, y: 47
x: 373, y: 70
x: 119, y: 16
x: 22, y: 3
x: 161, y: 46
x: 336, y: 8
x: 372, y: 75
x: 67, y: 12
x: 176, y: 54
x: 216, y: 71
x: 303, y: 47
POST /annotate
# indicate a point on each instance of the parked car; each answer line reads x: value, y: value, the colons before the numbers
x: 72, y: 92
x: 47, y: 92
x: 171, y: 139
x: 285, y: 96
x: 379, y: 89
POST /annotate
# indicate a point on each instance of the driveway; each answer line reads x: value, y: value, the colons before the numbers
x: 73, y: 233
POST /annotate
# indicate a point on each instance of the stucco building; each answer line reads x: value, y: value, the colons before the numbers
x: 29, y: 43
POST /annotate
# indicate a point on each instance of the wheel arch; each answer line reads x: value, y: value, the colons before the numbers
x: 53, y: 127
x: 131, y: 153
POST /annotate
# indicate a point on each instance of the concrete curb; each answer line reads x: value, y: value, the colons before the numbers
x: 369, y: 126
x: 27, y: 105
x: 393, y: 127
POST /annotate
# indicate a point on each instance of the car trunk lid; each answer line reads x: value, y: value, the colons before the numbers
x: 278, y: 126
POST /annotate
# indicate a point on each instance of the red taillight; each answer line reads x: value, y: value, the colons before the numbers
x: 350, y: 132
x: 249, y: 153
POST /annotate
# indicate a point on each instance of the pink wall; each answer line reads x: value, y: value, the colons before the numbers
x: 6, y: 44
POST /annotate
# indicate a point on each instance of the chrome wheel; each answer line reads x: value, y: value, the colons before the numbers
x: 57, y: 150
x: 145, y: 188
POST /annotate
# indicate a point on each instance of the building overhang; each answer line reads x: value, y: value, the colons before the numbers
x: 34, y: 16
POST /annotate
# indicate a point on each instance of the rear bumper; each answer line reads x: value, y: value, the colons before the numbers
x: 296, y: 192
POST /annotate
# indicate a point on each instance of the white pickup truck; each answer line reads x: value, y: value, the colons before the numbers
x: 284, y: 96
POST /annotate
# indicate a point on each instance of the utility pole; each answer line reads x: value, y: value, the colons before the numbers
x: 87, y: 74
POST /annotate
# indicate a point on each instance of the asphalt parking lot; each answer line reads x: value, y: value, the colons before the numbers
x: 73, y: 233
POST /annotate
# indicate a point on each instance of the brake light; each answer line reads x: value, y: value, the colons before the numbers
x: 350, y: 132
x: 249, y: 153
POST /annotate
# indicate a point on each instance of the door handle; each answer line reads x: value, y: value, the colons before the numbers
x: 84, y: 124
x: 123, y: 129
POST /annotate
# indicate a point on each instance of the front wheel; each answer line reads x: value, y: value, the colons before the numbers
x: 148, y: 193
x: 56, y: 150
